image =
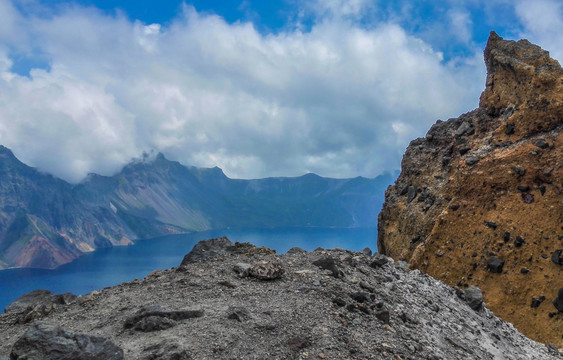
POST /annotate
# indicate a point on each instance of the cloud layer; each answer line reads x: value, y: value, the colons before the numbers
x: 340, y: 98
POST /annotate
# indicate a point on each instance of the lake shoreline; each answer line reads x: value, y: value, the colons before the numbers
x: 113, y: 265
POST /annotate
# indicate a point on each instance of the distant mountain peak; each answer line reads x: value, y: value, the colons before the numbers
x: 5, y: 152
x: 153, y: 196
x: 148, y: 157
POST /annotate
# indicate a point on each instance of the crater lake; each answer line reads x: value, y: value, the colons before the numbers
x: 111, y: 266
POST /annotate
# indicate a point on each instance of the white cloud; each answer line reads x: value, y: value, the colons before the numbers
x: 63, y: 125
x: 340, y: 8
x: 543, y: 24
x: 339, y: 100
x: 9, y: 18
x: 460, y: 24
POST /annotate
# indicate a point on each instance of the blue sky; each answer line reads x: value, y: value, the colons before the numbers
x: 258, y: 88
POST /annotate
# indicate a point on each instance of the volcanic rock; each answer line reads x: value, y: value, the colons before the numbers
x: 284, y: 319
x: 209, y: 248
x: 49, y: 342
x: 495, y: 264
x: 156, y: 317
x: 379, y: 260
x: 267, y: 270
x: 536, y: 302
x: 474, y: 297
x: 518, y: 139
x: 558, y: 302
x: 36, y: 298
x: 328, y: 263
x: 557, y: 257
x: 38, y: 303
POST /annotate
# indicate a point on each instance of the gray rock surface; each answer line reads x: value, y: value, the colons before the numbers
x: 557, y: 257
x: 35, y: 298
x: 495, y: 265
x: 267, y: 270
x: 37, y: 303
x: 381, y: 312
x: 208, y: 248
x: 50, y: 342
x: 156, y: 317
x: 474, y: 297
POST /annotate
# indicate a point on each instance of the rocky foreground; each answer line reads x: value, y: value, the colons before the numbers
x: 238, y: 301
x: 480, y: 199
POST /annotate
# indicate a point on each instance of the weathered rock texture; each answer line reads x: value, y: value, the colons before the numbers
x: 204, y: 309
x: 480, y: 199
x: 49, y: 342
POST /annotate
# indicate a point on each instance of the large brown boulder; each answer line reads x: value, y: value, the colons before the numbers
x: 490, y: 184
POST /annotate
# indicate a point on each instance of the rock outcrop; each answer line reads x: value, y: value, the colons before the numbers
x: 480, y: 199
x: 373, y: 308
x: 50, y: 342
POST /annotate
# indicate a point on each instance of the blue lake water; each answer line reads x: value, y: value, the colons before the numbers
x: 108, y: 267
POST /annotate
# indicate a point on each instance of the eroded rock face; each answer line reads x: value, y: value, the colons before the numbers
x: 489, y: 184
x: 209, y: 248
x: 222, y: 246
x: 37, y: 303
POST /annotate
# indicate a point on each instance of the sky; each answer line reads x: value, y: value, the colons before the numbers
x: 258, y: 88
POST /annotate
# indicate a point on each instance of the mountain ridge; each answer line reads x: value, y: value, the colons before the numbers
x: 45, y: 221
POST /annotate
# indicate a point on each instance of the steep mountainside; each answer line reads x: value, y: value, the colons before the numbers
x: 237, y: 301
x: 480, y: 200
x: 46, y: 222
x: 42, y: 224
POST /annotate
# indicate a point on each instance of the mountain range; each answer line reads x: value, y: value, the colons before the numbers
x: 46, y: 221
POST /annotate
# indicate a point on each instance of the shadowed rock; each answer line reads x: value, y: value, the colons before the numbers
x: 474, y: 297
x: 38, y: 297
x: 49, y: 342
x: 209, y: 248
x: 379, y: 260
x: 37, y: 304
x: 156, y: 317
x: 557, y: 257
x: 558, y: 302
x: 328, y: 263
x: 495, y: 265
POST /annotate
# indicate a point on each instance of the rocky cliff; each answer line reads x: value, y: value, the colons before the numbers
x: 479, y: 200
x: 46, y: 222
x: 237, y: 301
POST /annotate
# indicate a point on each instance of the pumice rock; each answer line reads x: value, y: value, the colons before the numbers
x: 516, y: 185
